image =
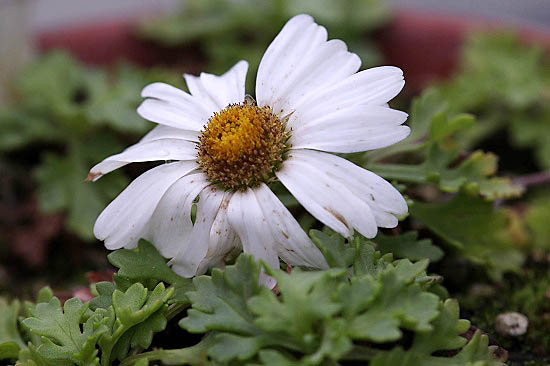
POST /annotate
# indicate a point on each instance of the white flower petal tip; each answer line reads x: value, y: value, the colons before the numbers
x: 353, y: 129
x: 217, y: 92
x: 126, y: 219
x: 299, y: 62
x: 340, y: 194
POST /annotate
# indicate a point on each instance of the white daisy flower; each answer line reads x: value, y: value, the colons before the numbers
x: 226, y: 149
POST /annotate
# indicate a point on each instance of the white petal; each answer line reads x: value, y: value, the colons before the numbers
x: 217, y: 92
x: 358, y: 128
x: 187, y: 260
x: 300, y: 61
x: 167, y: 114
x: 246, y: 218
x: 384, y: 200
x: 124, y: 220
x: 293, y: 245
x: 166, y: 132
x: 374, y: 86
x: 161, y: 149
x: 325, y: 197
x: 223, y: 239
x: 172, y: 107
x: 170, y: 224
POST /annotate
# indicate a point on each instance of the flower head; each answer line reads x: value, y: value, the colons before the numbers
x: 225, y: 149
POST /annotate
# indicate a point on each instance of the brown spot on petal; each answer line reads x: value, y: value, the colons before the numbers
x: 93, y: 176
x: 337, y: 215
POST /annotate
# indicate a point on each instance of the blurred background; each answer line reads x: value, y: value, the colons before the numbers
x: 46, y: 14
x: 71, y: 72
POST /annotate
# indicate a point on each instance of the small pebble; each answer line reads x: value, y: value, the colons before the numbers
x: 511, y: 324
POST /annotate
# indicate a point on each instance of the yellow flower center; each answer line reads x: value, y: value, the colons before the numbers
x: 242, y: 146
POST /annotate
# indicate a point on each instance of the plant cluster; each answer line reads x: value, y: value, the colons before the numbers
x: 366, y: 308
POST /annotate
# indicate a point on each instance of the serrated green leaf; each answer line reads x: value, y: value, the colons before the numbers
x: 333, y: 247
x: 219, y: 301
x: 408, y: 246
x: 475, y: 172
x: 399, y: 303
x: 472, y: 225
x: 146, y: 263
x: 141, y: 335
x: 62, y: 338
x: 136, y: 311
x: 306, y: 298
x: 445, y: 336
x: 142, y: 263
x: 103, y: 292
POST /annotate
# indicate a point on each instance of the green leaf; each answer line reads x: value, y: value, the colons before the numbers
x: 62, y: 338
x: 19, y: 128
x: 493, y: 66
x: 306, y: 298
x: 103, y: 295
x: 142, y: 263
x: 146, y: 263
x: 424, y: 109
x: 434, y: 137
x: 318, y: 315
x: 141, y: 335
x: 136, y: 311
x: 407, y: 246
x: 336, y: 253
x: 481, y: 232
x: 61, y: 187
x: 359, y: 253
x: 10, y: 339
x: 475, y: 172
x: 447, y: 328
x: 219, y: 302
x: 399, y: 303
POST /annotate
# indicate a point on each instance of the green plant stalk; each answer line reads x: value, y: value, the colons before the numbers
x: 180, y: 356
x: 401, y: 172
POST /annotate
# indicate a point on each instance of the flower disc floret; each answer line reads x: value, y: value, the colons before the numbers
x: 242, y: 146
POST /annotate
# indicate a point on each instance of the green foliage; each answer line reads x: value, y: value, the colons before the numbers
x: 324, y: 317
x: 62, y: 339
x: 61, y: 185
x: 73, y: 334
x: 481, y: 232
x: 447, y: 328
x: 145, y: 264
x: 83, y: 112
x: 505, y: 82
x: 432, y: 139
x: 123, y: 315
x: 10, y: 339
x: 407, y: 246
x: 357, y: 310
